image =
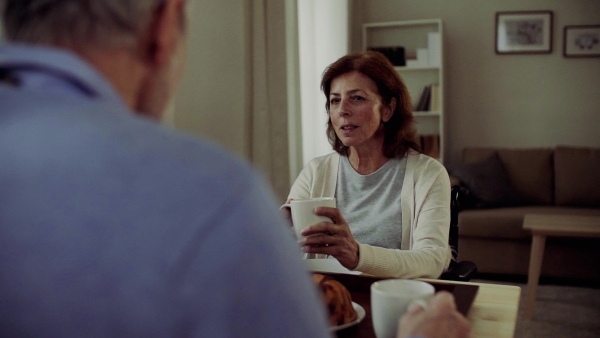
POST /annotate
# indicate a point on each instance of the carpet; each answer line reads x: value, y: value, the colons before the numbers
x: 560, y: 311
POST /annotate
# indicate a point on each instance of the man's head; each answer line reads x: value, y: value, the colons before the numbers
x: 142, y: 37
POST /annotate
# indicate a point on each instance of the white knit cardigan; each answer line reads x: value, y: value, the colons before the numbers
x: 425, y: 204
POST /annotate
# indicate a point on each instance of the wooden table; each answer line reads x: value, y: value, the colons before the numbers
x: 493, y: 312
x: 542, y: 226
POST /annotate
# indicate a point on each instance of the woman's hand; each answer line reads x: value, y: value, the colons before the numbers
x: 331, y: 238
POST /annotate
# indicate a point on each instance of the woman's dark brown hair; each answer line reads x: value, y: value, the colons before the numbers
x: 399, y: 132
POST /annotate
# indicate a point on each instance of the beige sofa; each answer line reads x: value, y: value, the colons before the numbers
x: 504, y: 185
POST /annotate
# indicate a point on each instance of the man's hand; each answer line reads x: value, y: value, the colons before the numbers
x: 440, y: 319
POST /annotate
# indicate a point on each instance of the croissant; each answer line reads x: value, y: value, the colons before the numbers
x: 337, y: 300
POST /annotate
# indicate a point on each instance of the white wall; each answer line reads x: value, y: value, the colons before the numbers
x: 505, y: 100
x: 213, y: 98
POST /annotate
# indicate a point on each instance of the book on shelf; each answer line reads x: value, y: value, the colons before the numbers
x: 423, y: 104
x: 430, y: 145
x: 435, y: 103
x: 430, y: 99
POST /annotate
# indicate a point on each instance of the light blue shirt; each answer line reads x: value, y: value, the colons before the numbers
x: 112, y: 225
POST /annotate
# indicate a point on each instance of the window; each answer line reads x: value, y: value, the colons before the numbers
x: 323, y: 38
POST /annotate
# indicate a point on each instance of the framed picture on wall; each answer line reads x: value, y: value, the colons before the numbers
x: 524, y: 32
x: 581, y: 41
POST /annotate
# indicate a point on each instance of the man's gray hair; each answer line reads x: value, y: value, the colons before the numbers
x: 106, y: 23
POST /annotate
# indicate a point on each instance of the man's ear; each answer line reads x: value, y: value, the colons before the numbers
x: 389, y: 110
x: 163, y: 33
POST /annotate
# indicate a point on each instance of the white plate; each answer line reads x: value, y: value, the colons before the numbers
x: 360, y: 311
x: 330, y: 265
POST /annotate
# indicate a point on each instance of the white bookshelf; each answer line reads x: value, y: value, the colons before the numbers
x: 414, y: 35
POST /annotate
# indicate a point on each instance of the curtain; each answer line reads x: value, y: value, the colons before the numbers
x: 268, y: 92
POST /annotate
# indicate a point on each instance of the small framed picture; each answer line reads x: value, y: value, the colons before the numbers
x: 524, y: 32
x: 581, y: 41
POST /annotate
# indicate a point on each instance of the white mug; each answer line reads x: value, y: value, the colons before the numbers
x: 390, y: 299
x: 303, y: 216
x: 303, y: 212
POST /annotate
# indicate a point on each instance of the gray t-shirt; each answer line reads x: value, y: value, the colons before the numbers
x: 371, y: 203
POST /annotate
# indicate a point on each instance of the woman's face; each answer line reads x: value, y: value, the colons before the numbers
x: 356, y: 111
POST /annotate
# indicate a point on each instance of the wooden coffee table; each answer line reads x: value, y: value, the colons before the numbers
x: 542, y: 226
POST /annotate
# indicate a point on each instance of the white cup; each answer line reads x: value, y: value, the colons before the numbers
x: 390, y: 299
x: 303, y: 216
x: 303, y: 212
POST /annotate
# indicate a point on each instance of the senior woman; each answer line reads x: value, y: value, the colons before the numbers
x: 393, y: 203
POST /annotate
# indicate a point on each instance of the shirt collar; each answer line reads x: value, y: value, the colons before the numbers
x: 61, y: 64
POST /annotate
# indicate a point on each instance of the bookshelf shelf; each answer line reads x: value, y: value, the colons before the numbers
x: 410, y: 69
x: 418, y: 37
x: 427, y: 113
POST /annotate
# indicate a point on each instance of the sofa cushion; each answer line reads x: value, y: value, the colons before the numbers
x: 577, y: 176
x: 530, y: 170
x: 531, y: 173
x: 488, y: 181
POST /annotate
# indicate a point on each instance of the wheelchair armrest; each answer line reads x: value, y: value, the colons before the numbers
x: 462, y: 271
